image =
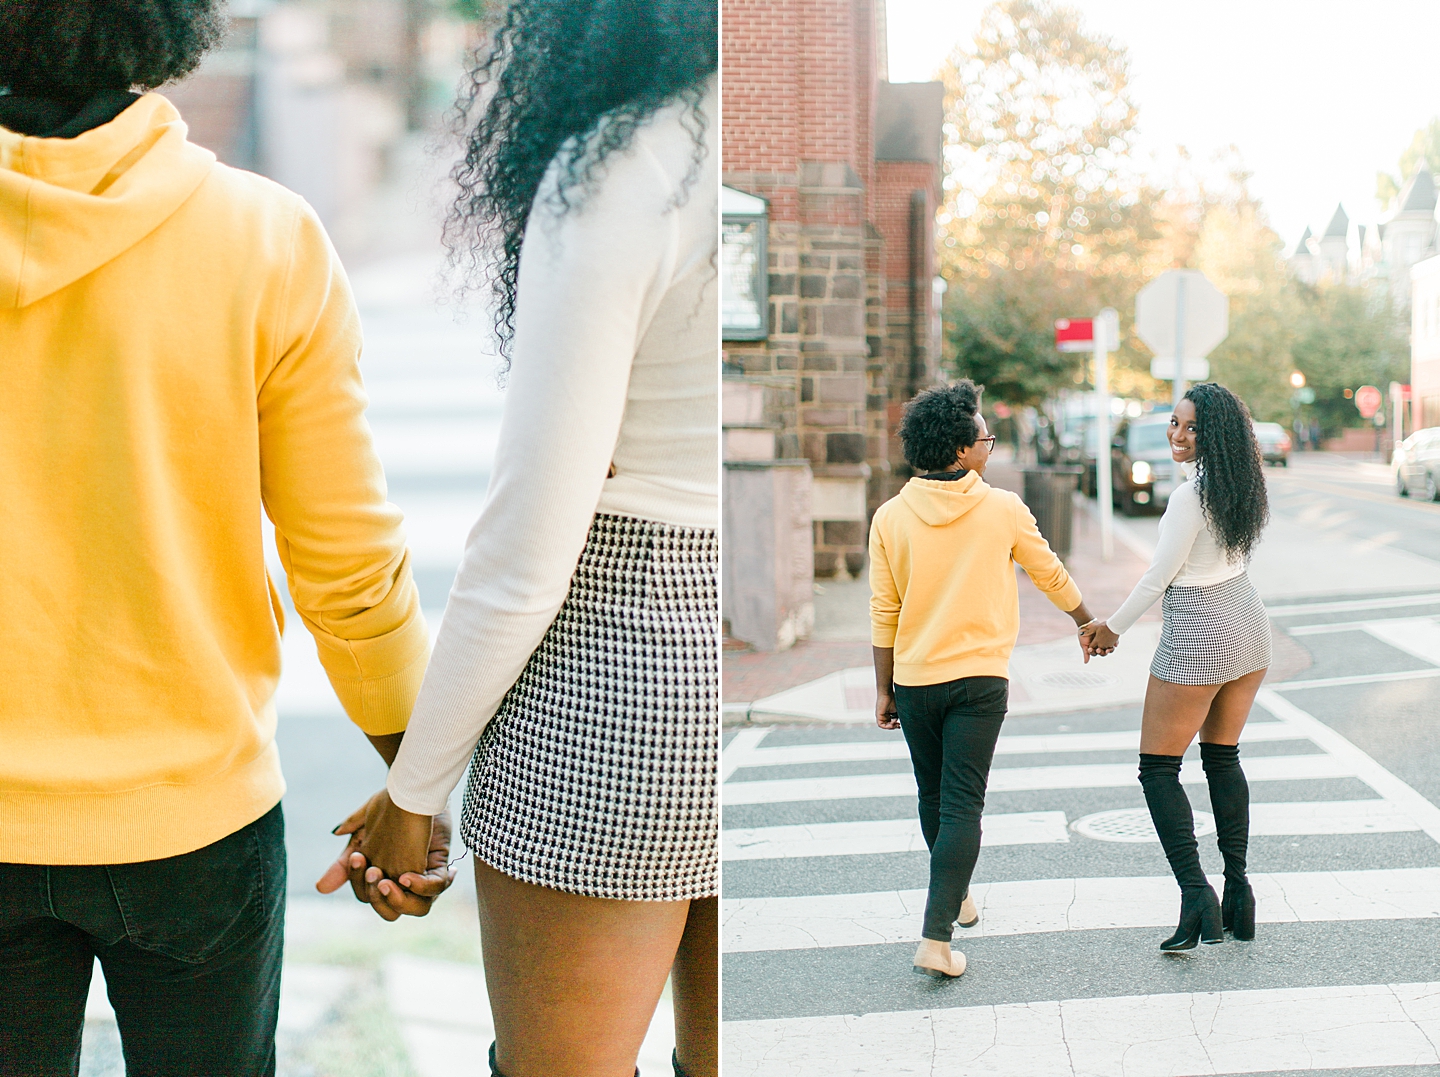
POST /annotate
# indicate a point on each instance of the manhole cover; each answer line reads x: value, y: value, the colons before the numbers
x: 1131, y: 825
x: 1074, y: 678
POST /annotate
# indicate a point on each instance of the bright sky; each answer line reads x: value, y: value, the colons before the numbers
x: 1318, y: 95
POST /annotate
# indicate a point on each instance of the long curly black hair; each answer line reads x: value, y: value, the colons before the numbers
x: 938, y: 423
x: 69, y: 50
x: 548, y: 75
x: 1231, y: 473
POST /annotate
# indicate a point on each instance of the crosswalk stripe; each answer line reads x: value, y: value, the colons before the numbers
x: 1336, y: 746
x: 1415, y: 636
x: 1040, y: 828
x: 1350, y: 605
x: 1289, y: 1029
x: 1017, y: 779
x: 1050, y: 743
x: 882, y: 836
x: 1056, y: 905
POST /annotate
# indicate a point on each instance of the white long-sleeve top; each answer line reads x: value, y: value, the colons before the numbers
x: 1187, y: 554
x: 615, y: 359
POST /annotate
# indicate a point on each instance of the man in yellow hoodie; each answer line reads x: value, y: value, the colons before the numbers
x: 944, y: 615
x: 179, y: 348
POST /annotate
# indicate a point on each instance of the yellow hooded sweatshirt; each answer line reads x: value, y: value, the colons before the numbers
x: 178, y: 347
x: 942, y: 580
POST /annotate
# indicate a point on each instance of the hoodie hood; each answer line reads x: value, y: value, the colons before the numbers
x: 71, y: 205
x: 938, y: 503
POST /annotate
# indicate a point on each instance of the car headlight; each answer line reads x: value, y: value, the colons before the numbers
x: 1140, y: 473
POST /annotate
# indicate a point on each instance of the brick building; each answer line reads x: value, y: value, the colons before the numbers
x: 833, y: 176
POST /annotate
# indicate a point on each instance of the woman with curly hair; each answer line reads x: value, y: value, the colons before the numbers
x: 576, y: 672
x: 181, y: 351
x: 944, y: 615
x: 1213, y: 653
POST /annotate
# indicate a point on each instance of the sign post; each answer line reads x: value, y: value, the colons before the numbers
x: 1368, y: 401
x: 1181, y: 316
x: 1107, y: 339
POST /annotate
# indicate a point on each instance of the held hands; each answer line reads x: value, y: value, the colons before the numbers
x: 1097, y: 640
x: 395, y: 861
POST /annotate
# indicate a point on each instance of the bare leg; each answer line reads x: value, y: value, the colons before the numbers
x: 1230, y: 709
x: 695, y: 984
x: 1173, y: 715
x: 573, y: 980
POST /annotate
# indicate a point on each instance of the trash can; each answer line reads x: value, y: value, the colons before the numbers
x: 1048, y: 493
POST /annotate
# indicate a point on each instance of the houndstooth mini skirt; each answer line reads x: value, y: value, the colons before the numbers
x: 1212, y: 634
x: 598, y: 774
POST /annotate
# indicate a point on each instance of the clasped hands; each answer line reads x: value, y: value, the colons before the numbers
x: 1097, y: 640
x: 396, y: 861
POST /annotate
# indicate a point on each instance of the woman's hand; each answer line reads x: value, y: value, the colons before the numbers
x: 416, y: 849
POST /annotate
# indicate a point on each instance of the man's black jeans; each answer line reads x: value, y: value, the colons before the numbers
x: 951, y: 729
x: 191, y: 948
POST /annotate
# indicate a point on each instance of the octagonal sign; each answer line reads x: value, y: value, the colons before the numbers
x: 1181, y: 314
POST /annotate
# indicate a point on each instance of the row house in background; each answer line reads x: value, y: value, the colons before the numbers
x: 1398, y: 257
x: 832, y: 181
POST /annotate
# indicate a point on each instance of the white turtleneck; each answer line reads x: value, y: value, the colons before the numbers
x: 1187, y: 554
x: 616, y: 359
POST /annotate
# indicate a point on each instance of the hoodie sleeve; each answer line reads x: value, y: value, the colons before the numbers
x: 884, y: 594
x: 341, y: 542
x: 1032, y: 553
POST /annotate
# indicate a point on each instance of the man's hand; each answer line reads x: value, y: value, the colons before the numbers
x: 886, y: 717
x: 404, y: 844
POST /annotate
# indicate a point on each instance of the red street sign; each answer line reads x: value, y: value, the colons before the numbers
x: 1367, y: 399
x: 1075, y: 334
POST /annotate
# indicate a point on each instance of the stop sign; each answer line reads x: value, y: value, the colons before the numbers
x: 1367, y: 399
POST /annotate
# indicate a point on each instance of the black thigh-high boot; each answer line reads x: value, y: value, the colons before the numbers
x: 1230, y: 801
x: 1175, y: 825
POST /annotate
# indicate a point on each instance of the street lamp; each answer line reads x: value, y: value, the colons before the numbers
x: 1297, y: 380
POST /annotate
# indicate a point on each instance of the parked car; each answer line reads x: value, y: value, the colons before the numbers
x: 1417, y: 464
x: 1142, y: 473
x: 1274, y: 443
x: 1079, y: 446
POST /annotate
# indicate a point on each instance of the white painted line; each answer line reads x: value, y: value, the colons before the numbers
x: 861, y: 751
x: 882, y: 836
x: 1406, y: 800
x: 739, y: 751
x: 1041, y: 828
x: 1017, y: 779
x: 1037, y: 906
x: 1362, y: 678
x: 1418, y: 636
x: 1429, y: 599
x: 1301, y: 1029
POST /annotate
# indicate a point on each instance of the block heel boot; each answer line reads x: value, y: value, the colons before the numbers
x: 1200, y: 919
x: 1230, y: 801
x: 495, y: 1070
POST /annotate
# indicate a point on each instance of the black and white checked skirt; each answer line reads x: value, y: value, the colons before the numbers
x: 1212, y: 634
x: 598, y: 774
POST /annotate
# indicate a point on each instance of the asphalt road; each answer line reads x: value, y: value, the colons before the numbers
x: 823, y: 896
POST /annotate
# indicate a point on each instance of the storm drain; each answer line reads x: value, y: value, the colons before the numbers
x: 1074, y: 678
x: 1131, y: 825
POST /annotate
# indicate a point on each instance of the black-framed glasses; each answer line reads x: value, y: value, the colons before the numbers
x: 989, y: 442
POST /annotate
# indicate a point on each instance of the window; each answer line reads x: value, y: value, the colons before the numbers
x: 744, y: 295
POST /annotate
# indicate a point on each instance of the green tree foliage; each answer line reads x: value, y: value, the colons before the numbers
x: 1424, y: 149
x: 1045, y: 215
x: 1347, y: 336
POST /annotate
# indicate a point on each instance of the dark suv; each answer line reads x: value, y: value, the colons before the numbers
x: 1143, y: 475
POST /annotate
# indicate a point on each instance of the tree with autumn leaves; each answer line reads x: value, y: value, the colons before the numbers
x: 1048, y: 214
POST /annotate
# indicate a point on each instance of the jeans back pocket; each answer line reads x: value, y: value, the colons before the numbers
x: 197, y: 905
